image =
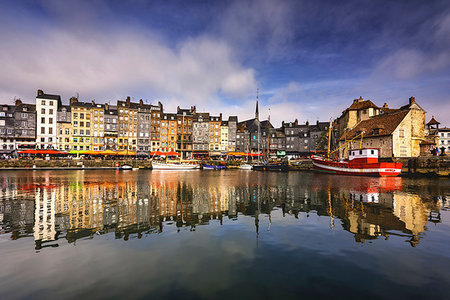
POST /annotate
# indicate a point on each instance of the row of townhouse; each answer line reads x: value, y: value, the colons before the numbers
x: 136, y: 126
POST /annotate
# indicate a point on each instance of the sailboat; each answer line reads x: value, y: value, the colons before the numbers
x: 266, y: 166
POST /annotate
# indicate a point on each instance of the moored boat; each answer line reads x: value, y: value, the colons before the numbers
x: 173, y: 166
x: 276, y: 167
x: 362, y: 162
x: 211, y: 167
x: 245, y: 167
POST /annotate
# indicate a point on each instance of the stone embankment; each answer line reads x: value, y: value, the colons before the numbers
x: 417, y: 166
x: 72, y: 164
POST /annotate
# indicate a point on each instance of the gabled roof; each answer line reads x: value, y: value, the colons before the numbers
x: 361, y: 104
x: 380, y: 125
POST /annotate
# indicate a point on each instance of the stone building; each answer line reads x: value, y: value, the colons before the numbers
x: 111, y: 128
x: 232, y: 127
x: 200, y: 135
x: 277, y: 143
x: 97, y: 126
x: 157, y: 111
x: 214, y: 135
x: 168, y: 132
x: 397, y: 133
x: 46, y: 115
x: 25, y: 125
x: 64, y: 128
x: 258, y: 132
x: 360, y: 110
x: 128, y: 115
x: 7, y: 124
x: 144, y: 126
x: 185, y: 120
x: 242, y: 139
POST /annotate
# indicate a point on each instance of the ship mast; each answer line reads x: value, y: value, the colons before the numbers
x: 329, y: 139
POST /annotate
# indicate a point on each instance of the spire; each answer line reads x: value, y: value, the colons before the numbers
x: 257, y: 112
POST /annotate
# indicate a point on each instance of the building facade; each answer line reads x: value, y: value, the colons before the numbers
x: 25, y: 125
x: 46, y: 116
x: 144, y: 127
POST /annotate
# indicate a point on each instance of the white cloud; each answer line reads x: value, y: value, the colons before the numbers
x: 119, y: 63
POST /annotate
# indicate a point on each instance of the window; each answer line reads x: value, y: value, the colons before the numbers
x: 401, y: 133
x: 50, y: 121
x: 50, y: 131
x: 67, y: 132
x: 24, y: 116
x: 42, y: 130
x: 51, y: 103
x: 43, y: 111
x: 43, y: 102
x: 51, y: 111
x: 43, y: 120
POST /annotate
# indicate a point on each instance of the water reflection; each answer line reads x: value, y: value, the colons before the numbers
x: 53, y: 207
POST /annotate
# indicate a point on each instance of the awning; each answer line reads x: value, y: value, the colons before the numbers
x: 50, y: 152
x: 172, y: 153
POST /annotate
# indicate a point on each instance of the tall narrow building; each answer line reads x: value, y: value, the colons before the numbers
x: 46, y: 116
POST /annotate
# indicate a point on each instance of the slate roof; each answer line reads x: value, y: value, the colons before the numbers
x: 380, y: 125
x: 49, y: 96
x: 433, y: 122
x: 357, y: 105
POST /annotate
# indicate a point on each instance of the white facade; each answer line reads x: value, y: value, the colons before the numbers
x: 46, y: 117
x: 444, y: 139
x: 224, y: 138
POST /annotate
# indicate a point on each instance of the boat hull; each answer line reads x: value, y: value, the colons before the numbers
x: 159, y: 166
x: 270, y: 167
x: 377, y: 169
x: 245, y: 167
x: 209, y: 167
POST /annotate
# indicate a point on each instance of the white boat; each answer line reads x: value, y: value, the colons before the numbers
x: 245, y: 167
x: 173, y: 166
x: 126, y: 167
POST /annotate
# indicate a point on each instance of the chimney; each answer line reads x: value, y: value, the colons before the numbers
x: 160, y: 106
x: 355, y: 100
x: 18, y: 102
x: 40, y: 92
x: 128, y: 100
x: 221, y: 116
x: 106, y: 106
x: 93, y: 102
x: 296, y: 122
x: 282, y: 124
x: 317, y: 123
x: 361, y: 99
x: 412, y: 100
x: 307, y: 123
x: 141, y: 102
x: 73, y: 100
x: 385, y: 105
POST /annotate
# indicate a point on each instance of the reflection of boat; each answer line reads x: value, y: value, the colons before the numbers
x: 361, y: 162
x: 245, y: 167
x: 211, y: 167
x: 277, y: 167
x: 173, y: 166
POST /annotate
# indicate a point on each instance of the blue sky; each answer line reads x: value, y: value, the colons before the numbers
x: 309, y: 59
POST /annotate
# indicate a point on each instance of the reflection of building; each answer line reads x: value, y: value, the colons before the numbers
x: 44, y: 215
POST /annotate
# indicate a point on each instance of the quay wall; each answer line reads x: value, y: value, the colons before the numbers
x: 431, y: 166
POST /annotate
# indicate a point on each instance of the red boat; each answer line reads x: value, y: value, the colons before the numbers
x: 362, y: 162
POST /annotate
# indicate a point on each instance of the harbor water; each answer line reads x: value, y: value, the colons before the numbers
x: 230, y: 234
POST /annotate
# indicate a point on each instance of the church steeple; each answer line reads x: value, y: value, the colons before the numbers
x: 257, y: 111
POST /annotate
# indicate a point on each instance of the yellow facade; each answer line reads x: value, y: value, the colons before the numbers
x: 81, y: 127
x: 128, y: 114
x: 64, y: 136
x: 168, y: 133
x: 97, y: 127
x: 214, y: 135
